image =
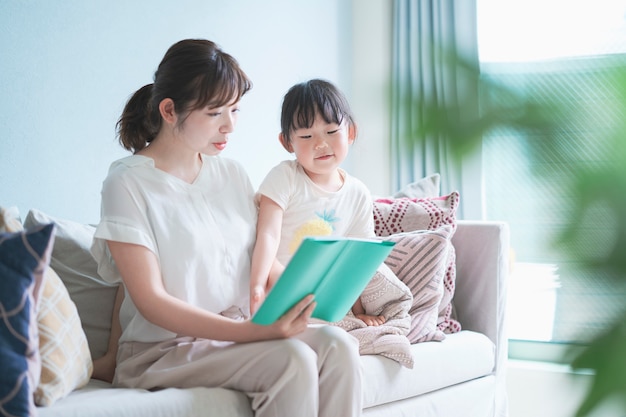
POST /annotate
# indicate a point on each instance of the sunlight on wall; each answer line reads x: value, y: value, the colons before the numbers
x: 529, y: 30
x: 531, y: 304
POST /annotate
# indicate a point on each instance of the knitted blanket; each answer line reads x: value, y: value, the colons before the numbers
x: 385, y: 295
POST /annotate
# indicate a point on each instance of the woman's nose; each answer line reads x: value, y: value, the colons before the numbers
x: 228, y: 123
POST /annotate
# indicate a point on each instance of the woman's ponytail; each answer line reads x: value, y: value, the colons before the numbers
x: 138, y: 124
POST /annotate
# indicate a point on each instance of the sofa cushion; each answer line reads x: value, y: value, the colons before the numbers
x: 437, y: 365
x: 65, y: 358
x: 98, y: 398
x: 419, y: 260
x: 73, y: 262
x: 24, y: 257
x: 10, y: 220
x: 426, y: 187
x: 398, y: 215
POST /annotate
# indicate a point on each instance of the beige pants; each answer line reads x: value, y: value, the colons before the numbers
x: 316, y: 374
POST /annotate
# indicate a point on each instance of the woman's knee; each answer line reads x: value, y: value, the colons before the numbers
x: 298, y: 357
x: 288, y: 383
x: 339, y: 344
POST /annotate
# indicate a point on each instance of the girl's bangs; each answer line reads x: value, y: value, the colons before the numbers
x: 307, y: 110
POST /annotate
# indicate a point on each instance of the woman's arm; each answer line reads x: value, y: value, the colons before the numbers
x: 141, y: 274
x: 265, y: 268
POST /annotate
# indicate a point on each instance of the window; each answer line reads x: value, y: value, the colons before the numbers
x: 564, y: 50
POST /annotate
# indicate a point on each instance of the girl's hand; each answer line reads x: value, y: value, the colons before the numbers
x: 257, y: 296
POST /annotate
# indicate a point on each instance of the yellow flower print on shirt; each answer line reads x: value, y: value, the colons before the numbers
x: 322, y: 225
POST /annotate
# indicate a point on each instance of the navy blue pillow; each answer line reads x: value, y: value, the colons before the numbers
x: 24, y: 257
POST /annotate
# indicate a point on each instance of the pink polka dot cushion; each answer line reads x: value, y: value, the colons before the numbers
x: 401, y: 215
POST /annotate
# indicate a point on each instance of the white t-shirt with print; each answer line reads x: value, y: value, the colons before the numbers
x: 312, y: 211
x: 202, y: 234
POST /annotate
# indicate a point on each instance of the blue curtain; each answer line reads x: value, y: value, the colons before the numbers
x: 431, y: 38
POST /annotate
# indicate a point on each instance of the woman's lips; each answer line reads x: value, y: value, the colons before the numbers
x: 220, y: 145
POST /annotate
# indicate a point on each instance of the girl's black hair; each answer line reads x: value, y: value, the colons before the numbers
x: 306, y: 100
x: 194, y: 73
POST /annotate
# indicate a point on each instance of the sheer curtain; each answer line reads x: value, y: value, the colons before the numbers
x: 430, y: 37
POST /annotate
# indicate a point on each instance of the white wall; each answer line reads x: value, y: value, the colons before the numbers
x: 370, y: 95
x: 68, y: 67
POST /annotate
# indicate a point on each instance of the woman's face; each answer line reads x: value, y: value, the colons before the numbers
x: 206, y: 130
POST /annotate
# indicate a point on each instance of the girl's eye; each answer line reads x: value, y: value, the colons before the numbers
x: 305, y: 136
x: 333, y: 131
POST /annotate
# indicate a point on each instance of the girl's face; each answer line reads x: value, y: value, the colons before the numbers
x: 321, y: 148
x: 206, y: 130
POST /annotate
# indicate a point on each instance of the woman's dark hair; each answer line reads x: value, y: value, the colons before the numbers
x: 194, y: 73
x: 306, y: 100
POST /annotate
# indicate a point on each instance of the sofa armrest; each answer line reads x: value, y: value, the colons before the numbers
x: 482, y: 269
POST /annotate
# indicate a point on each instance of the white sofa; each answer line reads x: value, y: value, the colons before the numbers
x: 462, y: 376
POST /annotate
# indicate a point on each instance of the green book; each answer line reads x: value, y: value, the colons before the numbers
x: 335, y: 270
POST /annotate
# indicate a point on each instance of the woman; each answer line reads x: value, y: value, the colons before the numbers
x: 177, y: 229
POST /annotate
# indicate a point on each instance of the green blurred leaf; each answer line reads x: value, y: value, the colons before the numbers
x: 599, y: 192
x: 606, y: 355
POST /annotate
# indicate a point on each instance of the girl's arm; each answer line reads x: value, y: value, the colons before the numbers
x: 104, y: 366
x: 265, y: 268
x: 141, y: 274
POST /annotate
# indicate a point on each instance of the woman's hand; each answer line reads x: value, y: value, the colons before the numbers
x: 292, y: 323
x: 296, y: 320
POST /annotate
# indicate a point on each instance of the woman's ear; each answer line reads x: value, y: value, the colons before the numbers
x: 286, y: 144
x: 167, y: 110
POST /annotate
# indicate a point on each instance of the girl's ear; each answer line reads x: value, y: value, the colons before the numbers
x: 167, y: 110
x: 351, y: 133
x: 283, y: 141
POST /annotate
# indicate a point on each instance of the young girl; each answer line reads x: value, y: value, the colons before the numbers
x: 311, y: 195
x: 177, y: 229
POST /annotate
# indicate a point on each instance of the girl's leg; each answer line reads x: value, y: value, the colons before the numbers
x: 339, y: 367
x: 280, y: 377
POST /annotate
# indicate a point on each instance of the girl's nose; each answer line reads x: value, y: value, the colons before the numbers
x: 320, y: 144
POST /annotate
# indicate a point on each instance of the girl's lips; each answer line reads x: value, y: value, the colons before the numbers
x: 324, y: 157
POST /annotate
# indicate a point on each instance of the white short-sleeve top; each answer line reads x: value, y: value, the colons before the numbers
x: 312, y: 211
x: 202, y: 234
